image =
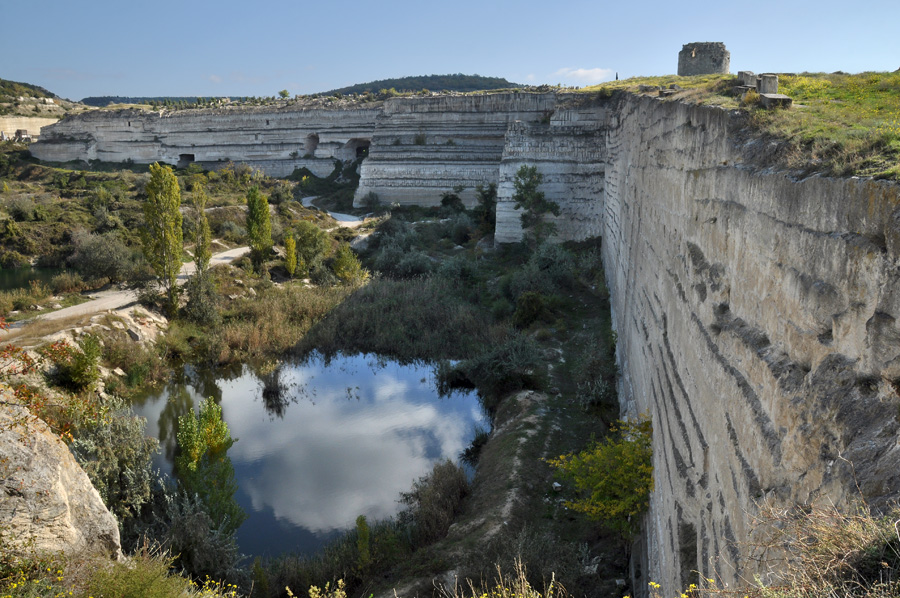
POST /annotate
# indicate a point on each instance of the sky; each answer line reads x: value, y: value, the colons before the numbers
x: 235, y: 48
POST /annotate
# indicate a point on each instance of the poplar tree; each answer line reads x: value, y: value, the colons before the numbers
x: 259, y: 227
x: 161, y: 234
x: 203, y: 248
x: 290, y: 255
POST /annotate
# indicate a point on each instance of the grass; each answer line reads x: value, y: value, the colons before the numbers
x: 840, y: 124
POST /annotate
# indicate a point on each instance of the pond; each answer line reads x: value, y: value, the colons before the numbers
x: 320, y: 443
x: 18, y: 278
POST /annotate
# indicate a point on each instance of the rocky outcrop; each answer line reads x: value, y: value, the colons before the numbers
x: 424, y: 147
x: 276, y: 139
x: 757, y: 324
x: 568, y: 150
x: 47, y: 502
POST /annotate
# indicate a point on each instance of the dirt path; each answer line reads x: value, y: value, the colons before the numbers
x: 345, y: 220
x: 112, y: 300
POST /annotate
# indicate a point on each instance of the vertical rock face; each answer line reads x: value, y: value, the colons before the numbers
x: 757, y: 325
x: 423, y: 147
x: 276, y: 140
x: 567, y: 149
x: 47, y: 502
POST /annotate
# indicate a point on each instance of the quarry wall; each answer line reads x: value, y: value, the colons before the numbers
x: 756, y: 313
x: 757, y: 325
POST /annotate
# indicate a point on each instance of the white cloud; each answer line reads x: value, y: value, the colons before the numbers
x: 583, y: 76
x: 215, y: 78
x: 530, y: 77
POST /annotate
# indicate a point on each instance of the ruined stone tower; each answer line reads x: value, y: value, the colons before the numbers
x: 703, y: 58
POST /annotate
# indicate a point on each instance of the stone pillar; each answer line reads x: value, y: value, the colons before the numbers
x: 747, y: 78
x: 768, y: 83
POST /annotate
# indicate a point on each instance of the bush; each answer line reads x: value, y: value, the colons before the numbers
x: 179, y: 525
x: 529, y: 307
x: 78, y: 368
x: 394, y: 262
x: 433, y: 502
x: 512, y: 365
x: 614, y: 477
x: 102, y: 256
x: 312, y: 243
x: 67, y: 282
x: 203, y: 300
x: 346, y: 266
x: 461, y: 229
x: 117, y: 455
x: 549, y: 270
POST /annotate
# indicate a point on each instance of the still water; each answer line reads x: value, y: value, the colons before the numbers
x: 319, y: 444
x: 18, y: 278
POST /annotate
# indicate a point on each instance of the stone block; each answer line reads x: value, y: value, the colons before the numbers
x: 775, y: 100
x: 663, y: 93
x: 747, y: 78
x: 768, y: 83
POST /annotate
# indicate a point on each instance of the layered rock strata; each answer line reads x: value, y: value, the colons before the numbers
x: 569, y: 153
x: 757, y: 325
x: 424, y: 147
x: 276, y: 140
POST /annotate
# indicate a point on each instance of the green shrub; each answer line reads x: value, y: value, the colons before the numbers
x: 529, y: 307
x: 613, y: 477
x: 203, y: 300
x: 67, y: 282
x: 102, y: 256
x: 116, y: 453
x: 433, y: 502
x: 512, y: 365
x: 79, y: 368
x: 179, y: 525
x: 312, y: 243
x: 394, y: 262
x: 549, y: 270
x: 346, y: 266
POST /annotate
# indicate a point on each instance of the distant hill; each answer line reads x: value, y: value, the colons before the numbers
x: 458, y: 82
x: 10, y: 90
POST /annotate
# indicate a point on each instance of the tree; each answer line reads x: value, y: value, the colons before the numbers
x: 161, y: 234
x: 346, y: 266
x: 486, y: 209
x: 284, y: 94
x: 203, y: 466
x: 259, y: 227
x: 203, y: 248
x: 312, y: 245
x: 614, y: 476
x: 290, y: 255
x: 535, y: 206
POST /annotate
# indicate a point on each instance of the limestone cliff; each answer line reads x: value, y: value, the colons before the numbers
x: 757, y: 325
x: 47, y: 502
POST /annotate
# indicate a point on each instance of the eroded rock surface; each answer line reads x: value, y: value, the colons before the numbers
x: 47, y: 502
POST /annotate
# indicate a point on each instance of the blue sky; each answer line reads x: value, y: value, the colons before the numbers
x: 230, y: 47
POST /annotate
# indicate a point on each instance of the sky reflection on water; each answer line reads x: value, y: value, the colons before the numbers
x: 319, y: 445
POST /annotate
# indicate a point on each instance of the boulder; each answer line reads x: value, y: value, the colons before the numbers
x: 48, y: 502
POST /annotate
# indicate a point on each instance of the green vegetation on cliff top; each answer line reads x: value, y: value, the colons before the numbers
x: 839, y: 125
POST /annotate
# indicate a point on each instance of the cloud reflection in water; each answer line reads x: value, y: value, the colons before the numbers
x: 346, y: 440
